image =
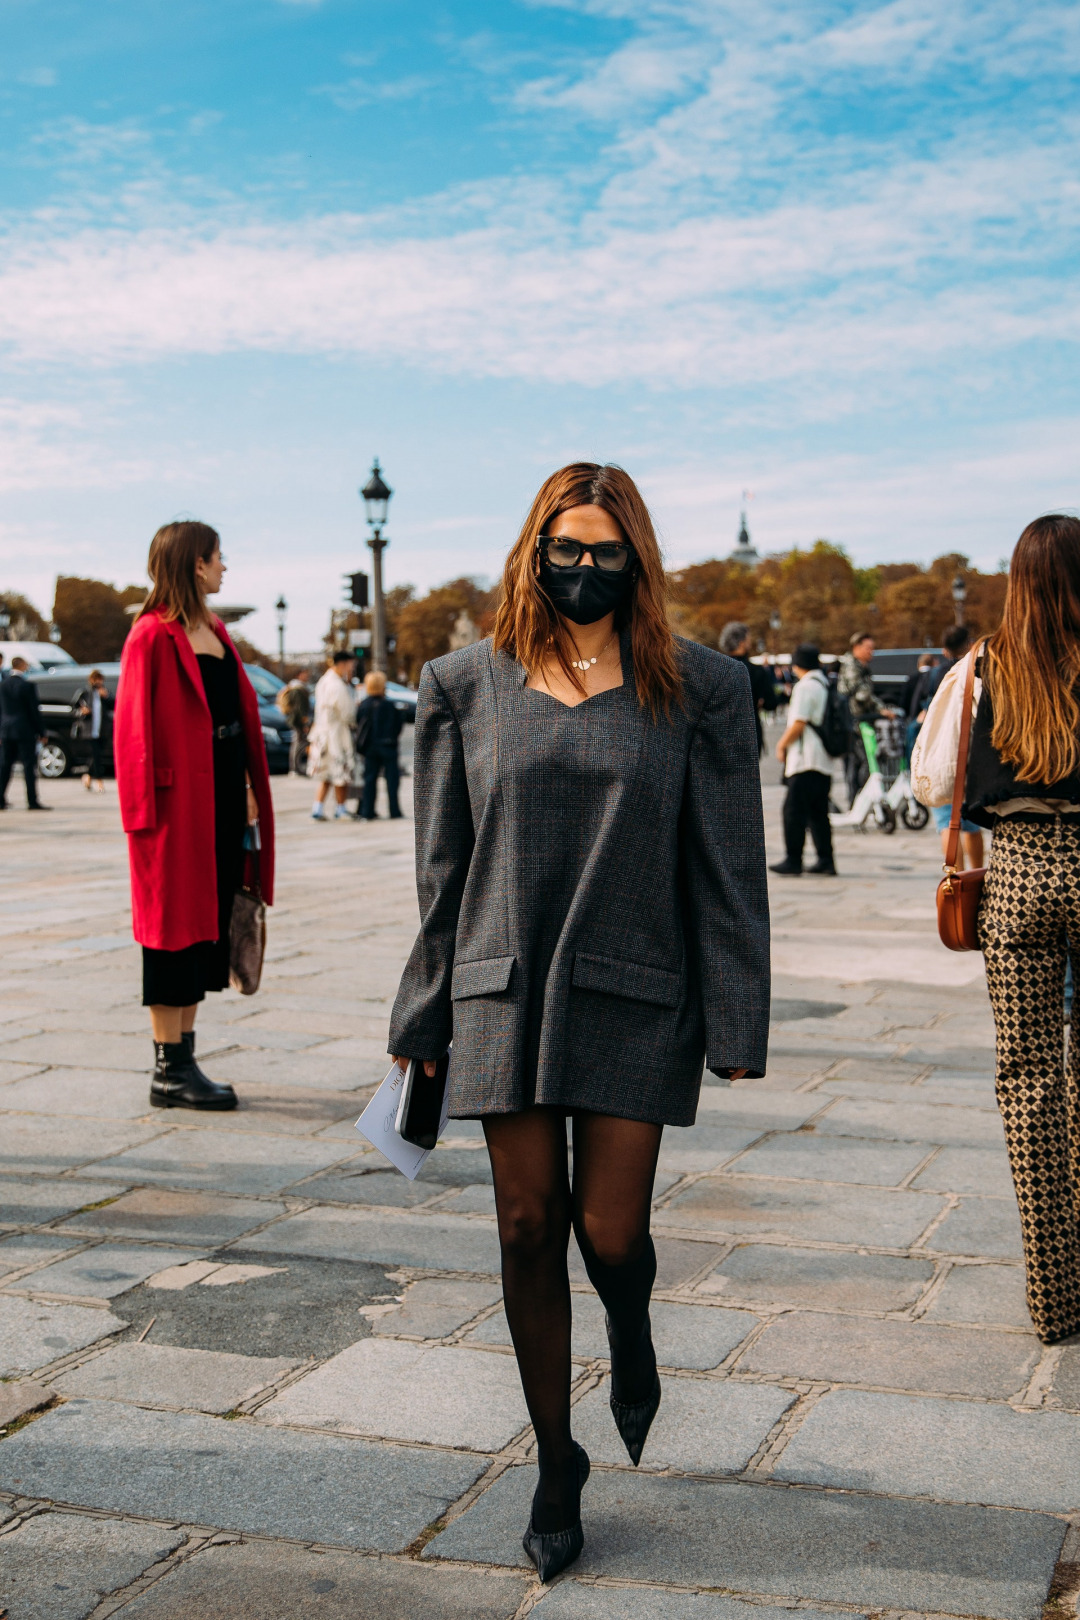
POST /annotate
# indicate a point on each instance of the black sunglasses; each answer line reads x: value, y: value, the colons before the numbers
x: 613, y: 556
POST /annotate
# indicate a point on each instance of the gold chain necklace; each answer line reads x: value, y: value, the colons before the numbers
x: 586, y: 663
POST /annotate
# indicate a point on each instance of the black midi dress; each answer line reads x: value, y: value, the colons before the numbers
x: 182, y: 978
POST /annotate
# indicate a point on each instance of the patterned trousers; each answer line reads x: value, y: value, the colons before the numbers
x: 1030, y: 910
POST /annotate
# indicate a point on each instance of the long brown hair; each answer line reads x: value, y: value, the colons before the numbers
x: 527, y: 625
x: 1033, y: 661
x: 174, y: 590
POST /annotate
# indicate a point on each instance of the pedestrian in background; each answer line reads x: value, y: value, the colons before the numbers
x: 331, y: 755
x: 21, y: 731
x: 807, y: 768
x: 915, y: 699
x: 735, y: 641
x: 856, y: 683
x: 192, y: 777
x: 1023, y: 780
x: 294, y: 701
x: 954, y: 644
x: 378, y: 727
x: 94, y: 704
x: 595, y: 929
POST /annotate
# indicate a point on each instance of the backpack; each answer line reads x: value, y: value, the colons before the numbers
x: 836, y: 731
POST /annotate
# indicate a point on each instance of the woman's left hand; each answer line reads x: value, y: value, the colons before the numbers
x: 252, y: 806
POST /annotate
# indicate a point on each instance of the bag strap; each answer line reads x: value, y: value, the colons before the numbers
x: 953, y: 846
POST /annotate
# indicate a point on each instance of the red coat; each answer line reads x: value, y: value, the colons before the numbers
x: 164, y: 754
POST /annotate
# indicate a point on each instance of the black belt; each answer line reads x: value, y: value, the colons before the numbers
x: 235, y: 730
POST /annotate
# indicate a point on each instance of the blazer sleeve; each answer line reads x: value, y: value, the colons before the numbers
x: 33, y: 712
x: 133, y: 736
x: 725, y: 878
x: 422, y: 1022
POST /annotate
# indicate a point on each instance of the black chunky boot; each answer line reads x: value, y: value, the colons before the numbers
x: 178, y: 1082
x: 552, y: 1550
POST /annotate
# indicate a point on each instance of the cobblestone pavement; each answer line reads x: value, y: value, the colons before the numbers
x: 250, y: 1372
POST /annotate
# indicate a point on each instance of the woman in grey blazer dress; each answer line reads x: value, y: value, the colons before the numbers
x: 594, y: 929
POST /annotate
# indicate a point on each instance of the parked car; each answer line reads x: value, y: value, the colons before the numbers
x: 63, y: 753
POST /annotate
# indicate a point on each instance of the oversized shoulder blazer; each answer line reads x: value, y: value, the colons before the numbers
x: 613, y: 996
x: 164, y: 752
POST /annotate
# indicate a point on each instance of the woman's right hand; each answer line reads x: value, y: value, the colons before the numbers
x: 429, y: 1065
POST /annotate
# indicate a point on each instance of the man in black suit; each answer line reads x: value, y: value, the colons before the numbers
x: 20, y: 732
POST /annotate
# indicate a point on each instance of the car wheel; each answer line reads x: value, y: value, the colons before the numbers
x: 52, y: 761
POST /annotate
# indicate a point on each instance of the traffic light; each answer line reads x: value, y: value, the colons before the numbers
x: 358, y: 589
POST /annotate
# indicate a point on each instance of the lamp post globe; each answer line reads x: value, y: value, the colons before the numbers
x: 959, y: 596
x: 376, y: 495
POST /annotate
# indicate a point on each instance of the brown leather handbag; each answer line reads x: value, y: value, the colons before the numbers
x: 247, y: 929
x: 959, y: 893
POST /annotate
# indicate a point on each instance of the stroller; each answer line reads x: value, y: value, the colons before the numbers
x: 887, y: 790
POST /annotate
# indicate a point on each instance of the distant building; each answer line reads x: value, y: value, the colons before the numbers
x: 464, y: 633
x: 744, y: 551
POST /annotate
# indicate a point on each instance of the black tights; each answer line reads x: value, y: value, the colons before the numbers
x: 608, y: 1208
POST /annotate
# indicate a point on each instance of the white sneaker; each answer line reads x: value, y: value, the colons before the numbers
x: 341, y: 814
x: 318, y: 813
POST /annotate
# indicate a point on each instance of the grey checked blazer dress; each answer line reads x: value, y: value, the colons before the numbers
x: 594, y: 923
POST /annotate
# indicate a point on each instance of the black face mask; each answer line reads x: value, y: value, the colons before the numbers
x: 584, y: 595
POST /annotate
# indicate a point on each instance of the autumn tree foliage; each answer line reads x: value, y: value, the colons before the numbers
x: 425, y: 624
x: 26, y: 623
x: 92, y: 617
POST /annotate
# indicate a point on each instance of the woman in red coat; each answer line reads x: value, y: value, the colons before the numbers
x: 192, y: 778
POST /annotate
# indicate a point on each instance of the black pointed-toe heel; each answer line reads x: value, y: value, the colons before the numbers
x: 553, y: 1550
x: 634, y: 1419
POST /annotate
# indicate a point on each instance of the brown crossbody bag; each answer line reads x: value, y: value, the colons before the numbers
x: 959, y: 893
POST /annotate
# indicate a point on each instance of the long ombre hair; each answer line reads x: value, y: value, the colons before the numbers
x: 174, y: 590
x: 527, y: 625
x: 1032, y: 668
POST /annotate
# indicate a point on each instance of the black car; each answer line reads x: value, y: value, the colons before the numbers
x: 66, y: 752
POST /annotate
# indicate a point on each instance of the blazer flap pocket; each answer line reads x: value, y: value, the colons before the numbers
x: 632, y: 979
x: 163, y: 776
x: 485, y: 978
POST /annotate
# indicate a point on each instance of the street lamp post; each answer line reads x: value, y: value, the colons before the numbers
x: 376, y: 495
x: 959, y: 596
x: 281, y: 607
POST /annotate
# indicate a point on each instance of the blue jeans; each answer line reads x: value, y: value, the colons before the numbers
x: 941, y: 814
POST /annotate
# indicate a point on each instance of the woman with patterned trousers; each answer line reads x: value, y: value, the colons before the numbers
x: 594, y: 930
x: 1023, y: 781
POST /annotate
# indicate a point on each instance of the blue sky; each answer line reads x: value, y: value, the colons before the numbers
x: 821, y: 249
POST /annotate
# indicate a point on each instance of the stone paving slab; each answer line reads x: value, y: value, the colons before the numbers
x: 981, y: 1226
x: 940, y: 1091
x: 834, y: 1158
x: 19, y: 1396
x: 256, y: 1580
x: 961, y: 1451
x: 704, y: 1426
x: 10, y: 1072
x: 278, y: 1109
x: 677, y: 1260
x: 33, y: 1146
x: 908, y: 1121
x: 238, y: 1476
x: 71, y: 1048
x: 861, y: 1550
x: 446, y: 1395
x: 748, y: 1108
x: 33, y: 1334
x: 370, y: 1182
x: 894, y: 1355
x: 309, y: 1068
x: 299, y: 1307
x: 435, y: 1242
x: 967, y: 1170
x: 160, y: 1375
x: 106, y: 1270
x: 578, y: 1600
x: 703, y: 1147
x: 833, y: 1214
x: 177, y: 1217
x: 764, y: 1274
x: 82, y: 1093
x: 435, y: 1307
x: 995, y: 1295
x: 1065, y: 1386
x: 690, y: 1336
x: 32, y: 1203
x: 59, y: 1566
x: 24, y: 1249
x: 222, y: 1160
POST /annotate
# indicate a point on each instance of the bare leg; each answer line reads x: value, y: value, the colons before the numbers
x: 339, y: 792
x: 321, y: 791
x: 532, y: 1199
